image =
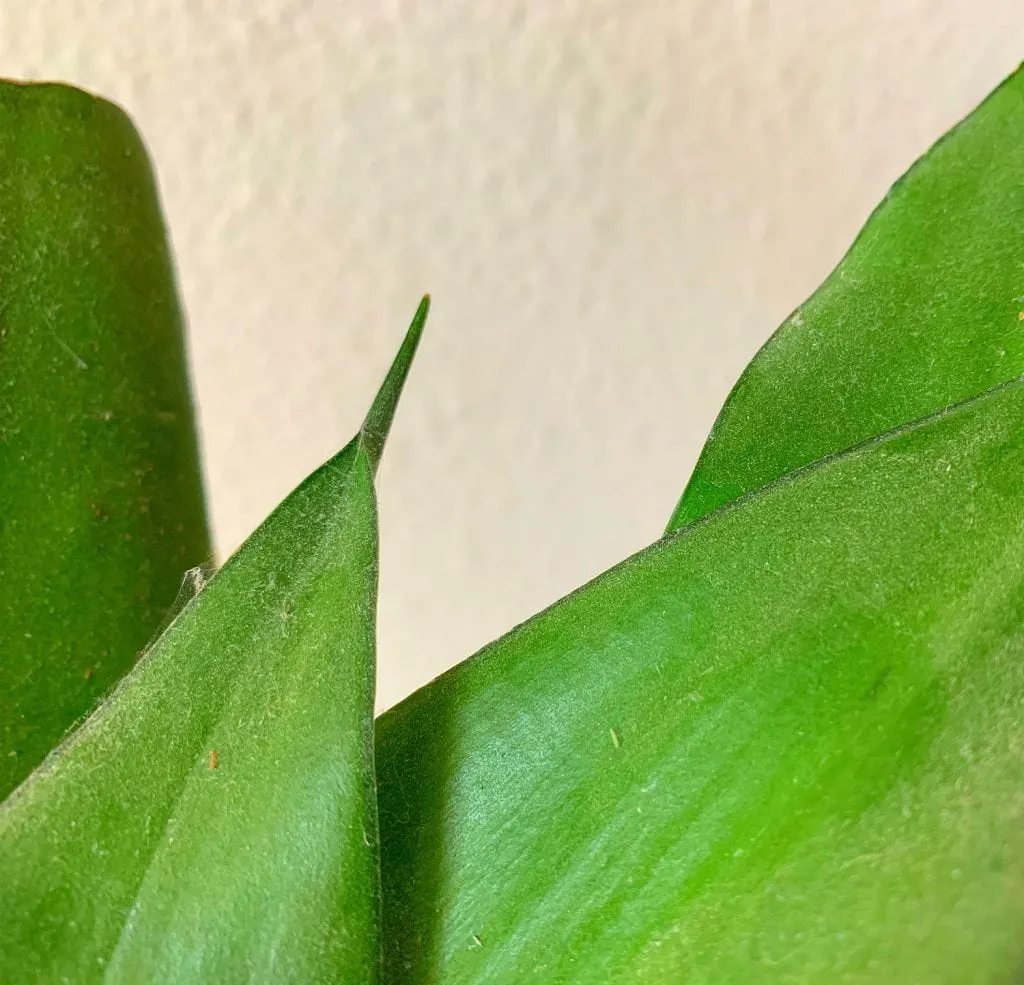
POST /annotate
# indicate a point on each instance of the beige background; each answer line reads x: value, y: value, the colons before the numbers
x: 613, y: 203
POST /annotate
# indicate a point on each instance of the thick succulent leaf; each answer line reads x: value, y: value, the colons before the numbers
x: 215, y: 820
x: 925, y: 310
x: 100, y: 503
x: 786, y: 744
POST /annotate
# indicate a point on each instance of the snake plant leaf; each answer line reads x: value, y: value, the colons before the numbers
x: 785, y: 744
x: 925, y: 310
x: 101, y: 508
x: 214, y: 821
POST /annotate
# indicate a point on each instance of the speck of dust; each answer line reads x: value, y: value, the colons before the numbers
x: 477, y: 942
x: 616, y: 737
x: 214, y: 759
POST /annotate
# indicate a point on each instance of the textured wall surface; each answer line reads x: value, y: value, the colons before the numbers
x: 613, y: 203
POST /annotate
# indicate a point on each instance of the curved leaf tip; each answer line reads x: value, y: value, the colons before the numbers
x: 374, y: 431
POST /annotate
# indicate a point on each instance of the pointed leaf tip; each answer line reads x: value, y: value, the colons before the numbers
x: 374, y: 431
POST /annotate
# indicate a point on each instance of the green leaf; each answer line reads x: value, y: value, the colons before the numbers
x: 101, y: 507
x: 215, y: 820
x: 783, y: 745
x: 924, y: 311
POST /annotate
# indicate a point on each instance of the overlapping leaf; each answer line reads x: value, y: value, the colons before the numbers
x: 215, y: 820
x: 925, y: 310
x: 100, y: 502
x: 784, y: 744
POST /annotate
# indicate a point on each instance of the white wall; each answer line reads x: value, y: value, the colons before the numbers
x: 613, y: 203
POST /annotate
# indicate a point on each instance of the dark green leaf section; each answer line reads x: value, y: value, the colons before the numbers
x: 924, y: 311
x: 215, y: 820
x: 784, y: 745
x: 101, y: 509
